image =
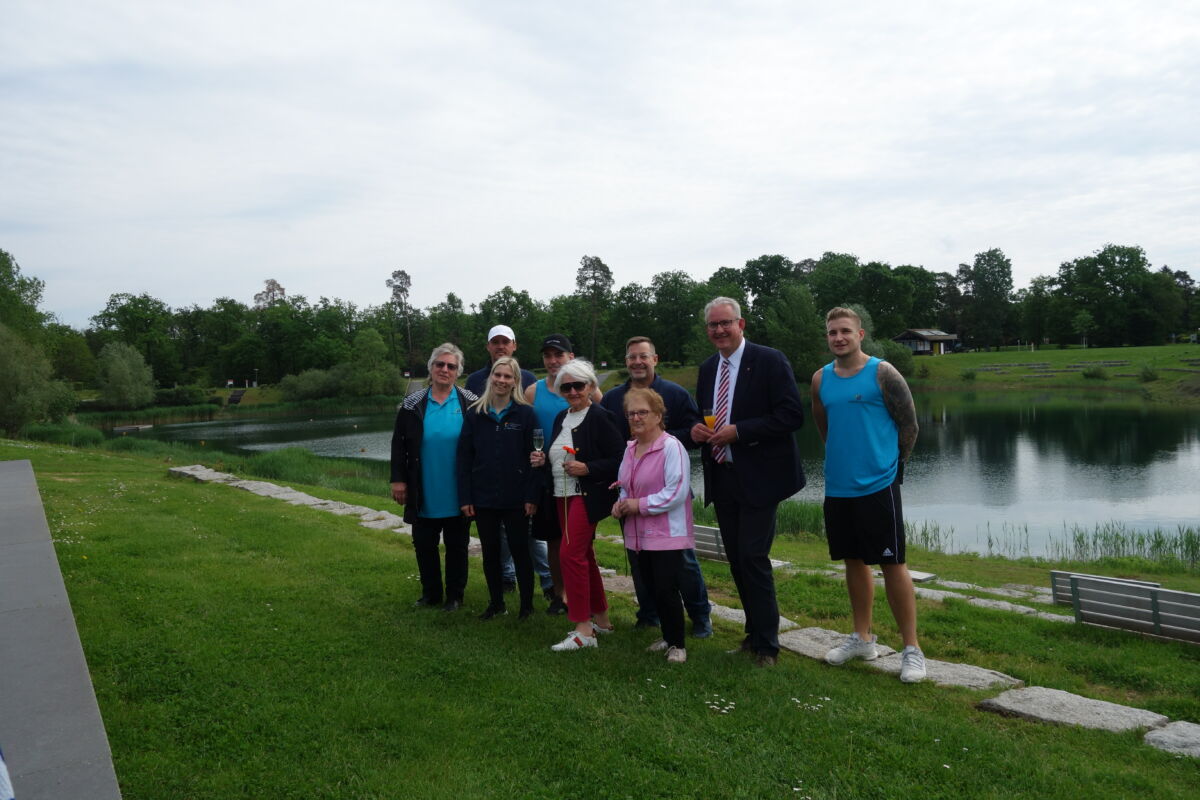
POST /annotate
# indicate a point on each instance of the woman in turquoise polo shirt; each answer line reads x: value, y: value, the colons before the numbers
x: 424, y: 477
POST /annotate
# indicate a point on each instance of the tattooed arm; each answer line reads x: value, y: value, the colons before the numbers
x: 899, y: 402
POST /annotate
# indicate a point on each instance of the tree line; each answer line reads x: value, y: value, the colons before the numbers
x: 1111, y: 297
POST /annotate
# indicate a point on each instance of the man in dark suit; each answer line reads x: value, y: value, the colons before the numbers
x: 751, y: 461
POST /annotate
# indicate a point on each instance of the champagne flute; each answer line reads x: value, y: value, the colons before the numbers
x: 539, y: 439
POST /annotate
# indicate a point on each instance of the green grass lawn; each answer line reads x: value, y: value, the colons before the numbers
x: 242, y: 647
x: 1175, y: 369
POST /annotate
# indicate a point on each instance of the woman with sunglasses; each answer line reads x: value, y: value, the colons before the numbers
x: 585, y: 451
x: 496, y: 484
x: 557, y: 350
x: 655, y: 508
x: 424, y: 468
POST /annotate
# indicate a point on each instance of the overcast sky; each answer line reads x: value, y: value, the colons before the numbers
x: 193, y: 150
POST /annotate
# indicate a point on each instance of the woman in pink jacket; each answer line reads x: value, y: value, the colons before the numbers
x: 655, y: 509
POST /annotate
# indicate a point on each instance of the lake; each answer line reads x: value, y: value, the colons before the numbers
x: 1004, y: 479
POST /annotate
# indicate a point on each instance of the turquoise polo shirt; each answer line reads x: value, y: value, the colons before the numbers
x: 439, y: 446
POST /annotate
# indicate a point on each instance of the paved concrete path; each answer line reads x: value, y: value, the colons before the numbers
x: 1034, y: 703
x: 51, y: 731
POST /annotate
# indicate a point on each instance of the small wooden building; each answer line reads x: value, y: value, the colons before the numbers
x: 927, y: 341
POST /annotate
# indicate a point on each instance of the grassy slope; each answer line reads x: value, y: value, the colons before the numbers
x: 241, y: 647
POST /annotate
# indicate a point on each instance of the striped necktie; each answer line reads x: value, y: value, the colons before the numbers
x: 719, y: 453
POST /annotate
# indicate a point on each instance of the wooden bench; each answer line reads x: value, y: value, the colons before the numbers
x: 1135, y: 606
x: 709, y: 544
x: 1060, y: 585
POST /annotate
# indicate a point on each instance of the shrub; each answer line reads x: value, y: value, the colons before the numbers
x: 180, y: 396
x: 1148, y: 375
x: 967, y: 374
x: 73, y: 435
x: 1095, y: 374
x: 898, y: 356
x: 923, y: 371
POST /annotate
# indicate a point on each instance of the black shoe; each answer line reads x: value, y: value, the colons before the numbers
x: 510, y: 586
x: 766, y: 660
x: 493, y: 611
x: 426, y: 602
x: 549, y: 594
x: 526, y: 612
x: 556, y: 608
x: 744, y: 647
x: 644, y: 624
x: 452, y: 605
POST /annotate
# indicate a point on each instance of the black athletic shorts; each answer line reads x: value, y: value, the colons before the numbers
x: 870, y: 528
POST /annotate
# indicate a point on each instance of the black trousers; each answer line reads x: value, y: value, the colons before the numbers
x: 425, y: 534
x: 492, y: 523
x: 659, y: 570
x: 748, y: 532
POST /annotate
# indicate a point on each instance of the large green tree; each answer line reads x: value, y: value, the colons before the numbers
x: 593, y: 282
x: 27, y: 394
x: 20, y: 296
x: 793, y: 325
x: 986, y: 286
x: 146, y: 324
x: 126, y: 380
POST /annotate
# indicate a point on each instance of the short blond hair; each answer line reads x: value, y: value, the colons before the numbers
x: 838, y: 312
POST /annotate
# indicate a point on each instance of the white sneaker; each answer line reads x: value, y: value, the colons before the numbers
x: 597, y: 628
x: 657, y: 647
x: 852, y: 647
x: 676, y: 655
x: 912, y: 665
x: 574, y: 641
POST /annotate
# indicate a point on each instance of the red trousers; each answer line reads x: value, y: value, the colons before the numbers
x: 582, y: 584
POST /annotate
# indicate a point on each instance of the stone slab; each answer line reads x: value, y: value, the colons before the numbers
x: 1054, y: 705
x: 387, y: 524
x: 938, y: 595
x: 1182, y: 738
x: 738, y: 617
x: 946, y: 673
x: 816, y: 642
x: 201, y: 473
x: 51, y: 730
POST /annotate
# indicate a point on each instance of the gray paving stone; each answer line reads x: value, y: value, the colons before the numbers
x: 390, y: 522
x: 1176, y: 737
x: 937, y: 594
x: 957, y: 585
x: 946, y: 673
x: 737, y: 616
x: 1054, y: 705
x: 201, y: 473
x: 350, y: 511
x: 816, y: 642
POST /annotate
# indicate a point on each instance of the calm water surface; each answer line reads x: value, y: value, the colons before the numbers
x: 1016, y: 476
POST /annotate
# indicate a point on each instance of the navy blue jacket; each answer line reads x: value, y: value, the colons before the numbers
x: 682, y: 412
x: 767, y: 410
x: 406, y: 446
x: 493, y: 459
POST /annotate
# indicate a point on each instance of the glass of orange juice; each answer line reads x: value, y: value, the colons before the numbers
x: 710, y: 419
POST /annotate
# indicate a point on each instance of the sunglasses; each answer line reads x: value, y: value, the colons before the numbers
x: 445, y: 365
x: 575, y: 386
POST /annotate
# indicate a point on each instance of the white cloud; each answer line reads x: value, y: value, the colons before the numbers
x: 193, y: 151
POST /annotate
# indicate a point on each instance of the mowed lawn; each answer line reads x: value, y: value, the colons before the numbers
x: 244, y: 648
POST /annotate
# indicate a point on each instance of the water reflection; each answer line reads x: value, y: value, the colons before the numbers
x: 983, y: 467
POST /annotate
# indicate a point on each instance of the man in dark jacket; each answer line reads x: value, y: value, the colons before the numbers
x: 751, y: 460
x: 641, y: 360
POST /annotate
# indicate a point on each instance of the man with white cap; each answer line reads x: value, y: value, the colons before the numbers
x: 502, y: 342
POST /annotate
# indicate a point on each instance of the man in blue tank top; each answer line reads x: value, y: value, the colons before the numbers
x: 865, y: 415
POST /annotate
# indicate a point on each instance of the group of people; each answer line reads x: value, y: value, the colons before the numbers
x: 537, y: 464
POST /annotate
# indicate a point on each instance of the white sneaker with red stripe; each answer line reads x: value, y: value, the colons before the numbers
x: 574, y: 641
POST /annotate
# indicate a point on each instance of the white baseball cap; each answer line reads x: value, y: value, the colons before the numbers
x: 501, y: 330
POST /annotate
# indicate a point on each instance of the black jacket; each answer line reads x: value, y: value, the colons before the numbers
x: 767, y: 410
x: 493, y: 460
x: 599, y: 444
x: 406, y: 446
